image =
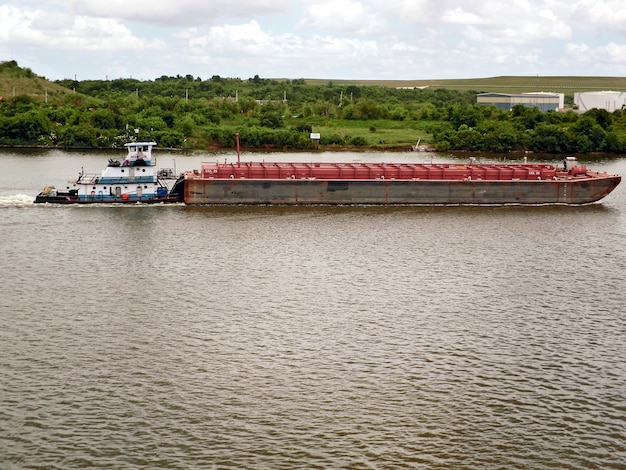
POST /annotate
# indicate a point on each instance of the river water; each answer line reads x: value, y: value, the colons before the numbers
x: 138, y: 337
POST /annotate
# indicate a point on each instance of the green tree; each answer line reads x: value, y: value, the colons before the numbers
x: 601, y: 117
x: 185, y: 124
x: 549, y: 138
x: 367, y: 109
x: 271, y: 117
x: 470, y: 116
x: 104, y: 119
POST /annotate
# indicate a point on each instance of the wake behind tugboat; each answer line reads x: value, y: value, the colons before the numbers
x: 131, y: 181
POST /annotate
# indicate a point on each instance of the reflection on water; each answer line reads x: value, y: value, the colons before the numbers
x: 324, y: 337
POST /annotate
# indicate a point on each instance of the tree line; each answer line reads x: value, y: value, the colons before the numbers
x: 188, y: 112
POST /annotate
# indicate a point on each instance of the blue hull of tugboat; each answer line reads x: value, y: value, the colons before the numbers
x: 72, y: 197
x: 62, y: 198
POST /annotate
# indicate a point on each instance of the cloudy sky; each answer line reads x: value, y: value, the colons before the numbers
x: 328, y: 39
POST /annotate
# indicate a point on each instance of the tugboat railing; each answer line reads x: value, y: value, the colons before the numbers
x: 99, y: 179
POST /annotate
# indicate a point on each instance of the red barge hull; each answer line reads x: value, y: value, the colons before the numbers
x: 254, y: 183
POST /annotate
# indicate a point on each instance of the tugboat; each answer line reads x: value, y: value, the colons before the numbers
x: 135, y: 180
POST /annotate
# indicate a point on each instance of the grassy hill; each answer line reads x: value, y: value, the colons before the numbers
x: 17, y: 81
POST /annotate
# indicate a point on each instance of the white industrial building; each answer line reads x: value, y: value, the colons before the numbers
x: 609, y: 100
x: 539, y: 99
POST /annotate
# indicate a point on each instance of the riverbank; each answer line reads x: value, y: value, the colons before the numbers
x: 265, y: 148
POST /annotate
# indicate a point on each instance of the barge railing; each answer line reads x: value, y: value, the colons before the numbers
x: 394, y: 171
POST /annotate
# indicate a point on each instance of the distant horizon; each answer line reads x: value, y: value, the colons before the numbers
x: 402, y: 80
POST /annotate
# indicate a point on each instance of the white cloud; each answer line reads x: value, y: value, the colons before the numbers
x: 516, y: 22
x: 600, y: 56
x: 411, y: 11
x: 51, y: 21
x: 341, y: 16
x: 245, y: 41
x: 173, y: 13
x: 38, y: 28
x: 606, y: 16
x: 460, y: 16
x: 15, y: 25
x: 239, y: 40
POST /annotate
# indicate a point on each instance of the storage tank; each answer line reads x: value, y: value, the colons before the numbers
x: 608, y: 100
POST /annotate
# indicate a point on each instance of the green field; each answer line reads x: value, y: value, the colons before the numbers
x: 566, y: 85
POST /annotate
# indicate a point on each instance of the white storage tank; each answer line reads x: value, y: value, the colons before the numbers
x: 609, y: 100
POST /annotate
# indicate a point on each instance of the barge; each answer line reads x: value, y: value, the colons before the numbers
x: 252, y: 183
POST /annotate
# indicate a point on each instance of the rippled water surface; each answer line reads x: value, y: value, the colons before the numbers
x: 321, y: 337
